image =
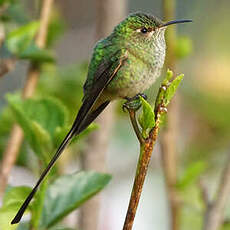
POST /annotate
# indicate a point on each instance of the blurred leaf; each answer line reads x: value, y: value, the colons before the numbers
x: 6, y: 123
x: 68, y: 193
x: 191, y: 174
x: 171, y: 89
x: 20, y: 39
x: 6, y: 2
x: 39, y: 119
x: 7, y: 213
x: 15, y: 13
x: 55, y: 29
x: 183, y: 47
x: 24, y: 226
x: 6, y: 120
x: 147, y: 117
x: 60, y: 228
x: 38, y: 204
x: 62, y: 132
x: 11, y: 203
x: 226, y: 225
x: 48, y: 112
x: 62, y: 82
x: 16, y: 195
x: 37, y: 54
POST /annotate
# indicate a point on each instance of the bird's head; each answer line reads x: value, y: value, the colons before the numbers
x: 140, y: 28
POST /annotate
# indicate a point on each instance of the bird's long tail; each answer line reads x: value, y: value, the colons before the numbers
x: 84, y: 118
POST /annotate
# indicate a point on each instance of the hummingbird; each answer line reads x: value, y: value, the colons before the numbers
x: 123, y: 65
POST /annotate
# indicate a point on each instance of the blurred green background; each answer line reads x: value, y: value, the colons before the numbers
x: 203, y: 53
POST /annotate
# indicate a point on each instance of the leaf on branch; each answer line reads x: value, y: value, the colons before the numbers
x: 168, y: 78
x: 171, y: 89
x: 20, y: 39
x: 146, y: 118
x: 68, y: 192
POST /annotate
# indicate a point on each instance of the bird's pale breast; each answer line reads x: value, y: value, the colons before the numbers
x: 137, y: 74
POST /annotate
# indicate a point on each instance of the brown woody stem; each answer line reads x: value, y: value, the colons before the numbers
x: 146, y: 148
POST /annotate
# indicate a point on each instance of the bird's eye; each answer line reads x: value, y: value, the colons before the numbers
x: 144, y: 30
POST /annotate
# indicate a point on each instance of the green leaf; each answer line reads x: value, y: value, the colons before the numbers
x: 62, y: 132
x: 39, y: 119
x: 11, y: 203
x: 191, y: 174
x: 147, y: 117
x: 2, y: 2
x: 24, y: 226
x: 68, y: 193
x: 37, y: 54
x: 168, y: 78
x: 171, y: 89
x: 60, y: 228
x: 7, y: 213
x: 16, y: 195
x: 20, y: 39
x: 38, y: 204
x: 56, y: 28
x: 183, y: 47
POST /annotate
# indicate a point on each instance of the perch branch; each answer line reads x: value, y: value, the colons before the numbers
x: 146, y: 148
x: 16, y: 136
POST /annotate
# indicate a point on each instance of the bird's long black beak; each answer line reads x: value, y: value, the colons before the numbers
x: 176, y: 22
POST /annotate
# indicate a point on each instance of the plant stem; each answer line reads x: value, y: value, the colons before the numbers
x: 214, y: 215
x: 16, y: 136
x: 146, y: 149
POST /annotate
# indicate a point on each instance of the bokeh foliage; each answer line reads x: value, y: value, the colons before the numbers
x: 45, y: 119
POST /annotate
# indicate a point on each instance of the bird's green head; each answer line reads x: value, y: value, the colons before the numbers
x: 142, y: 28
x: 139, y: 27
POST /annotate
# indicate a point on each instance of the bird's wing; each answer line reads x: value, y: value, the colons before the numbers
x: 103, y: 75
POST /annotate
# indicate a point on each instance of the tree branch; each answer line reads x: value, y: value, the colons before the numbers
x: 16, y: 136
x: 214, y: 215
x: 146, y: 149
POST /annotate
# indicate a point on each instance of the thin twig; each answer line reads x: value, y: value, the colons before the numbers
x: 146, y: 149
x: 214, y: 215
x: 16, y: 136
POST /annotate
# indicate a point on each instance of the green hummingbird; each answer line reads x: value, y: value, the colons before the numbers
x: 124, y: 64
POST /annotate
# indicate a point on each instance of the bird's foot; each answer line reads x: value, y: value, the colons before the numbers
x: 133, y: 103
